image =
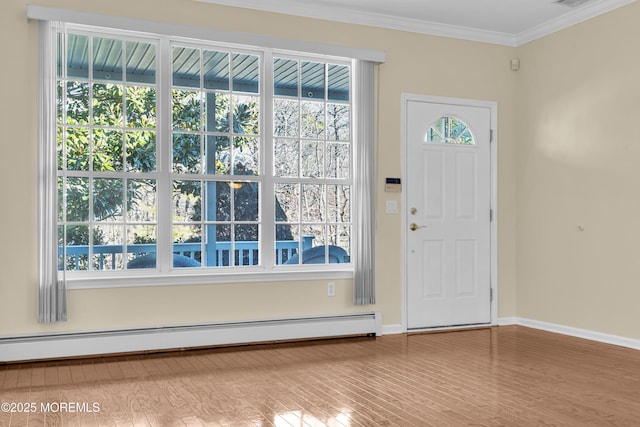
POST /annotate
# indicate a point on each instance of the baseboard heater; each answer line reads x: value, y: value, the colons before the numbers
x: 64, y: 345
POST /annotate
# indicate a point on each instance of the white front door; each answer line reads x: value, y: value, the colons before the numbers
x: 448, y: 236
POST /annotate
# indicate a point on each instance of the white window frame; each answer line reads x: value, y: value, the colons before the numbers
x: 268, y: 271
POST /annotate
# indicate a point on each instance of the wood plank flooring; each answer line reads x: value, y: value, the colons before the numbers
x: 506, y: 376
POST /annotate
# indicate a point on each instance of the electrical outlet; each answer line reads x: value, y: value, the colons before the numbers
x: 331, y: 289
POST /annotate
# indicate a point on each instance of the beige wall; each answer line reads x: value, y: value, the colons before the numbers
x: 415, y: 64
x: 577, y: 158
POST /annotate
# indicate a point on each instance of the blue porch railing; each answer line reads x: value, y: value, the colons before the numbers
x: 245, y: 253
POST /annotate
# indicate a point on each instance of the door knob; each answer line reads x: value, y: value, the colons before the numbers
x: 414, y: 226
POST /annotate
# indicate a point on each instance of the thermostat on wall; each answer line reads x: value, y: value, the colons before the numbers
x: 392, y: 185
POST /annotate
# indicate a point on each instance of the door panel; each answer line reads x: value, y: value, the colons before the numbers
x: 466, y: 257
x: 466, y: 191
x: 448, y: 200
x: 433, y: 201
x: 433, y: 269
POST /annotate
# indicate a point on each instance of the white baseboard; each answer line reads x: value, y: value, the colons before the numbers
x: 506, y: 321
x: 38, y: 347
x: 580, y: 333
x: 392, y: 329
x: 550, y: 327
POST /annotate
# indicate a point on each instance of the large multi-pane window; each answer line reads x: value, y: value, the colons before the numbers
x: 183, y: 154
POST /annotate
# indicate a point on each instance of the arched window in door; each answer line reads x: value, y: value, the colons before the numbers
x: 449, y: 130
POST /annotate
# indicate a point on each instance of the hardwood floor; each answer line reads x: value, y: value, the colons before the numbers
x: 506, y: 376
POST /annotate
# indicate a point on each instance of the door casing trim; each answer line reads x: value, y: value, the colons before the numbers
x: 493, y: 106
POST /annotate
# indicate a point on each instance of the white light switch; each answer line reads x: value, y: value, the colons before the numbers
x: 392, y: 206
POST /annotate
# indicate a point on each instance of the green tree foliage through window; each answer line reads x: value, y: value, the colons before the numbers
x: 108, y: 144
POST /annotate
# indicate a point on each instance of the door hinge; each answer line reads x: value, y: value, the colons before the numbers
x: 490, y: 135
x: 490, y: 215
x: 490, y: 294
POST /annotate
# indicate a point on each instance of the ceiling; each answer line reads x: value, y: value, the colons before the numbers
x: 505, y: 22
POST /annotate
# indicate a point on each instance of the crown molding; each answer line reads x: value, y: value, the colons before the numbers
x: 565, y: 21
x: 438, y: 29
x: 352, y: 16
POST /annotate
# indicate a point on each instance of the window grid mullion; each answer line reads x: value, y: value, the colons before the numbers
x: 268, y: 219
x: 204, y: 194
x: 91, y: 222
x: 164, y: 230
x: 232, y: 154
x: 125, y: 181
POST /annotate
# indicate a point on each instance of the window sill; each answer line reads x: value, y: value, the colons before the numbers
x: 153, y: 278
